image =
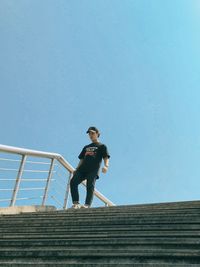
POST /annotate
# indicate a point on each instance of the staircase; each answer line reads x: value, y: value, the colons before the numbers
x: 160, y: 235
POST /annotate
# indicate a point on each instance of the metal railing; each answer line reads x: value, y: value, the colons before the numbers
x: 51, y: 171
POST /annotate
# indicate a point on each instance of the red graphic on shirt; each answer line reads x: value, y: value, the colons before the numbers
x: 90, y: 153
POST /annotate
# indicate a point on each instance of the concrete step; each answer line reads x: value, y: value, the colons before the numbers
x: 79, y: 214
x: 64, y: 264
x: 100, y: 233
x: 50, y: 251
x: 161, y: 241
x: 106, y: 246
x: 187, y: 218
x: 82, y: 234
x: 105, y: 256
x: 116, y: 235
x: 101, y: 216
x: 63, y: 251
x: 99, y: 229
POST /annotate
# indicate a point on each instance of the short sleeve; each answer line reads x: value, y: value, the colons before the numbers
x: 105, y: 153
x: 82, y: 154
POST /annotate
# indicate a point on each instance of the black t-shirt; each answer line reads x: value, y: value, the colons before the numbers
x: 92, y: 155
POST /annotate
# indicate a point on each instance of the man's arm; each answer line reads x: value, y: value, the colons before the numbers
x: 106, y: 164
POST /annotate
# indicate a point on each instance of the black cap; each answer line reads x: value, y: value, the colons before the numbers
x: 93, y: 129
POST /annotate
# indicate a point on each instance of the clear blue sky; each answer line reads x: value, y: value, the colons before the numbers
x: 129, y: 67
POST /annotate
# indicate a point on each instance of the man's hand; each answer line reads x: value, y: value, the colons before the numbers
x: 104, y: 169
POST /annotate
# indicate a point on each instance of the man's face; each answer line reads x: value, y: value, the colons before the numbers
x: 93, y: 135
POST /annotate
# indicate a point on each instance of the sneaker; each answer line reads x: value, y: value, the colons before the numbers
x: 76, y: 206
x: 85, y: 206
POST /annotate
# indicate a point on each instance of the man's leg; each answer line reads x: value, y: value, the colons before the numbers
x: 75, y: 181
x: 91, y: 179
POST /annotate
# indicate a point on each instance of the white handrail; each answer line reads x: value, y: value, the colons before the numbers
x: 58, y: 157
x: 36, y: 153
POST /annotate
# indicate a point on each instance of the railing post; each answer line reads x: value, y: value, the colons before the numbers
x: 48, y: 182
x: 18, y: 180
x: 67, y: 191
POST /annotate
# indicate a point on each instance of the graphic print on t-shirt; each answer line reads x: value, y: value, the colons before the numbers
x: 91, y: 151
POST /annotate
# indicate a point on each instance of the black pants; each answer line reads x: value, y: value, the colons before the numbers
x: 77, y: 178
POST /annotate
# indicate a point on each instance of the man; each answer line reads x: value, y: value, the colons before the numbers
x: 88, y: 168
